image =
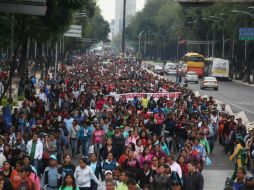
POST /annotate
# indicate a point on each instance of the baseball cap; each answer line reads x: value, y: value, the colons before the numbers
x: 108, y: 172
x: 53, y: 157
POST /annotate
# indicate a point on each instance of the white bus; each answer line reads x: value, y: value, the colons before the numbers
x: 217, y: 67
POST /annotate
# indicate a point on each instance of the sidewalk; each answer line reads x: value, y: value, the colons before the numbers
x: 242, y: 83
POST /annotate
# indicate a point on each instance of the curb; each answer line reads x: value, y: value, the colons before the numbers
x: 242, y: 83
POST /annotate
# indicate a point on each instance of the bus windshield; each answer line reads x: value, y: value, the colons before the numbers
x: 196, y: 59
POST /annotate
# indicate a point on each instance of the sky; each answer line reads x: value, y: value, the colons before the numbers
x: 108, y: 8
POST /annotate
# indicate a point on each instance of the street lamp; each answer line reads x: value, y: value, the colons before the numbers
x: 252, y: 16
x: 123, y: 31
x: 243, y: 12
x: 139, y: 41
x: 214, y: 19
x: 213, y: 42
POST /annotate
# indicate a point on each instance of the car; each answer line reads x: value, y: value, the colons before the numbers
x: 170, y: 68
x: 191, y: 76
x: 209, y: 82
x: 158, y: 70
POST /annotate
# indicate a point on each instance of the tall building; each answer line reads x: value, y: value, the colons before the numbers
x: 130, y: 11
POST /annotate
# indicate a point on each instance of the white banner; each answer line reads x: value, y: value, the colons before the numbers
x: 130, y: 96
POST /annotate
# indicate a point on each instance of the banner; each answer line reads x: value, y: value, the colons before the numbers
x: 156, y: 96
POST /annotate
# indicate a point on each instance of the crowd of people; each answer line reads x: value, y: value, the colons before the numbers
x: 79, y: 133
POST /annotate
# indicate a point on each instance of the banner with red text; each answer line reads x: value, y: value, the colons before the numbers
x: 156, y: 96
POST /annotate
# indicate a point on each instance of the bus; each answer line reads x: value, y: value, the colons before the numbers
x: 217, y: 67
x: 194, y: 62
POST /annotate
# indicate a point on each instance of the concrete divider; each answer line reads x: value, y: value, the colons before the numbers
x: 196, y: 93
x: 229, y: 110
x: 242, y: 115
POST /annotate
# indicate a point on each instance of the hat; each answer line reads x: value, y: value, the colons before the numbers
x: 249, y: 177
x: 229, y: 183
x: 250, y: 129
x: 53, y: 157
x: 121, y: 127
x: 176, y: 183
x: 117, y: 127
x: 108, y: 172
x: 240, y: 138
x: 239, y: 118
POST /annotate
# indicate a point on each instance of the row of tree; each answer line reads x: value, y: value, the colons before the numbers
x: 46, y: 31
x: 165, y: 23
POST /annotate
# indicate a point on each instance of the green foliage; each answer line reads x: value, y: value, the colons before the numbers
x: 167, y: 21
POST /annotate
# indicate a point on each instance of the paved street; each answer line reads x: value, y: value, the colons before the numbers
x: 238, y: 96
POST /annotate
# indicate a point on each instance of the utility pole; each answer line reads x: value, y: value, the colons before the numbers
x: 123, y: 32
x: 56, y: 60
x: 145, y: 47
x: 12, y: 56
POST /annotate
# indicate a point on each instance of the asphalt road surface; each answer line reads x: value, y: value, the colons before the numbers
x: 238, y: 96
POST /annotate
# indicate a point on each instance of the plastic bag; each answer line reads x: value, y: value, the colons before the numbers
x: 91, y: 149
x: 208, y: 161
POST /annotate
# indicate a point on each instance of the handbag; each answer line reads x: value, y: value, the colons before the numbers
x: 45, y: 155
x: 208, y: 161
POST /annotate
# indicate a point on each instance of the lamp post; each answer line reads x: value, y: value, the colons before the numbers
x: 123, y: 31
x: 213, y: 42
x: 139, y: 41
x: 250, y: 15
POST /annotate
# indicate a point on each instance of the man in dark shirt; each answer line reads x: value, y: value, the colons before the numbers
x: 195, y: 180
x: 145, y: 175
x: 5, y: 182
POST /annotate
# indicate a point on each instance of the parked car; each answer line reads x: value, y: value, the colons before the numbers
x: 170, y: 68
x: 191, y: 76
x: 158, y: 70
x: 209, y: 82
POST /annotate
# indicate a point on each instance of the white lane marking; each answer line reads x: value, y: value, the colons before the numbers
x: 241, y: 108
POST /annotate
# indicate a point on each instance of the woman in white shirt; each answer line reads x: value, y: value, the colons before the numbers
x: 83, y: 175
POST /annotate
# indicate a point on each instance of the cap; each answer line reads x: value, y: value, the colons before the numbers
x: 239, y: 118
x: 53, y: 157
x: 249, y: 177
x: 250, y: 129
x: 176, y: 183
x: 229, y: 183
x: 108, y: 172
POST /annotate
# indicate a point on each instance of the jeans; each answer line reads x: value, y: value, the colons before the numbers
x: 37, y: 164
x: 73, y: 146
x: 180, y: 141
x: 97, y: 147
x: 211, y: 142
x: 85, y: 146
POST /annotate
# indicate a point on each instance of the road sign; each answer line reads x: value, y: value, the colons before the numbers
x: 246, y: 33
x: 74, y: 31
x: 30, y: 7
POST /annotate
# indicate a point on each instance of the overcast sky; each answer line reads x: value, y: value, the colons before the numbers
x: 108, y: 8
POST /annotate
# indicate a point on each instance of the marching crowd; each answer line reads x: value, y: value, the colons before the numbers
x: 121, y: 143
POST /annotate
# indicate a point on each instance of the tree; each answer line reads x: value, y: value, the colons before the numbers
x: 58, y: 17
